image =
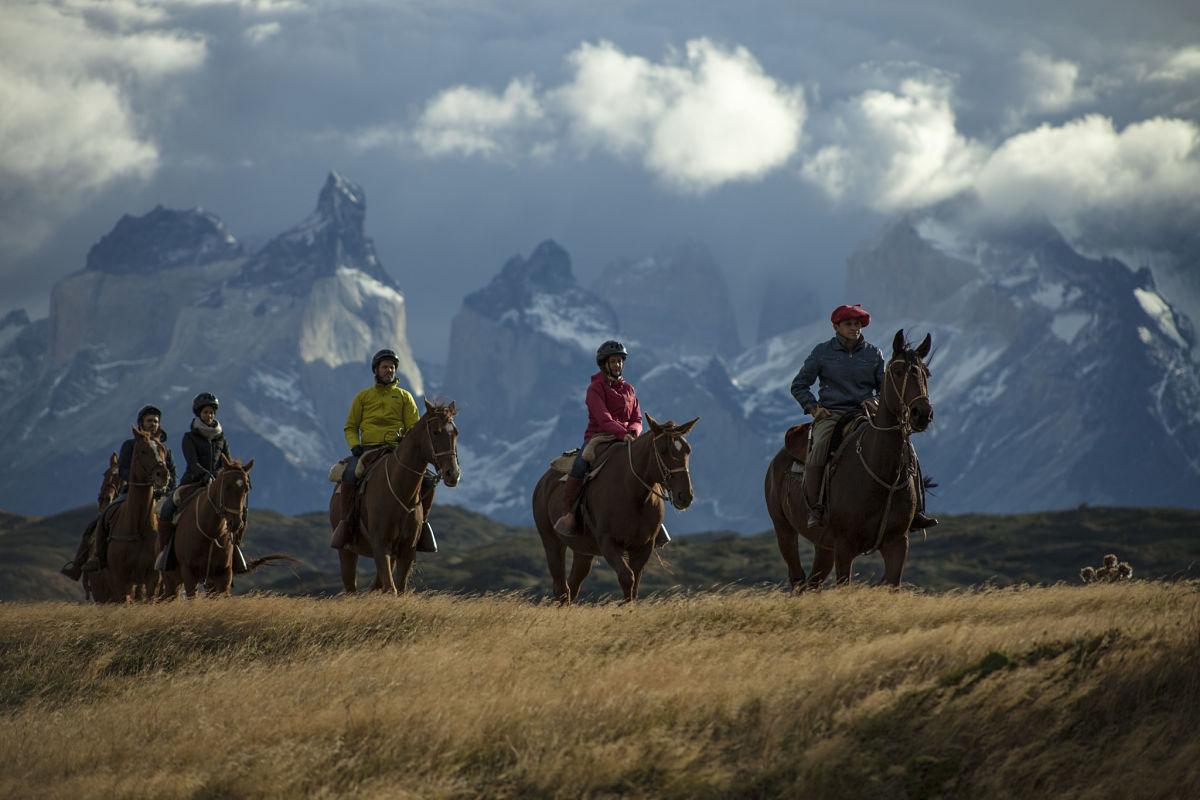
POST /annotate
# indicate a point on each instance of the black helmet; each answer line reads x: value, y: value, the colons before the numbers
x: 204, y: 399
x: 384, y: 355
x: 610, y: 348
x: 144, y: 410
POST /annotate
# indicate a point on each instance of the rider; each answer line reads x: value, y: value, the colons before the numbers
x: 149, y: 419
x: 613, y: 415
x: 850, y: 370
x: 379, y: 416
x: 203, y: 445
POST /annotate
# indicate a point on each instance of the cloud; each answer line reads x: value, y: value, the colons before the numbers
x: 1182, y: 65
x: 1050, y: 86
x: 695, y: 122
x: 466, y: 121
x: 69, y: 128
x: 892, y: 151
x: 1090, y: 178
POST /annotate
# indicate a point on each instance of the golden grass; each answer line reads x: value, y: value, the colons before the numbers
x: 1034, y: 692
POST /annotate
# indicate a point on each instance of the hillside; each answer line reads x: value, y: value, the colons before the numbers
x: 1067, y: 691
x: 480, y: 555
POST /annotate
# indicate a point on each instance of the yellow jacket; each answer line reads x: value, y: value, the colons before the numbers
x: 378, y: 414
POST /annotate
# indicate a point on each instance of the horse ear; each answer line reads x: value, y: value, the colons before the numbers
x: 113, y: 460
x: 428, y: 406
x: 453, y: 411
x: 923, y: 347
x: 248, y: 465
x: 898, y: 344
x: 686, y: 427
x: 652, y: 422
x: 225, y: 460
x: 136, y: 432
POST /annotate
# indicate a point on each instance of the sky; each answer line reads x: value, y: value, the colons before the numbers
x: 778, y: 134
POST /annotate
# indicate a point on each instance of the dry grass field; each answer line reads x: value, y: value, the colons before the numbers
x: 1076, y: 692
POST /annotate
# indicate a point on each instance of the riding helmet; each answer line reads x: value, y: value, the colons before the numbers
x: 144, y: 410
x: 204, y: 399
x: 610, y: 348
x: 383, y: 355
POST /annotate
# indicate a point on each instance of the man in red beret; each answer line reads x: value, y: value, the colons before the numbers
x: 850, y: 370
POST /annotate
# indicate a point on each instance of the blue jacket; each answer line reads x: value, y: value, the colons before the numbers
x: 847, y: 378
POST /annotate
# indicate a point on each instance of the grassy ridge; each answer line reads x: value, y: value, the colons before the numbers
x: 1031, y: 692
x: 480, y: 555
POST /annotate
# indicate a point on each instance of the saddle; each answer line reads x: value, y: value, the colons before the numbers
x: 795, y: 441
x: 183, y: 495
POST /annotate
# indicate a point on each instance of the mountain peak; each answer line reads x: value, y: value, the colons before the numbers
x: 333, y: 237
x: 162, y: 239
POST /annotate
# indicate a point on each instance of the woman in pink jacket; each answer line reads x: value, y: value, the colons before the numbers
x: 613, y: 415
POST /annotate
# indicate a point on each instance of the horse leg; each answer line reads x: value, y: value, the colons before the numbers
x: 618, y: 560
x: 844, y: 559
x: 823, y: 558
x: 789, y: 548
x: 581, y: 566
x: 348, y: 564
x: 404, y: 566
x: 383, y: 573
x: 895, y: 552
x: 556, y: 560
x: 637, y: 563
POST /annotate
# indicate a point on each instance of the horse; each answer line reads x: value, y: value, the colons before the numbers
x: 391, y: 507
x: 131, y: 527
x: 622, y: 511
x: 111, y: 484
x: 210, y: 526
x: 872, y: 484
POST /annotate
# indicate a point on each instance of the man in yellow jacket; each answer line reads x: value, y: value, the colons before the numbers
x: 379, y: 416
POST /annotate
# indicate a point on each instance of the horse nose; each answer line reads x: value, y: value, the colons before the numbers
x: 683, y: 499
x: 451, y: 477
x: 922, y: 415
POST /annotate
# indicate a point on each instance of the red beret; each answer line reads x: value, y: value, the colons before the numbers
x: 842, y: 313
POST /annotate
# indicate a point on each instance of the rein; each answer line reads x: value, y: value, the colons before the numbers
x: 664, y: 472
x: 904, y: 426
x: 408, y: 509
x: 222, y: 520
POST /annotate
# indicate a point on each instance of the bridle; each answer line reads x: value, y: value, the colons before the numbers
x: 158, y: 462
x: 437, y: 454
x: 225, y: 514
x: 903, y: 425
x: 664, y: 471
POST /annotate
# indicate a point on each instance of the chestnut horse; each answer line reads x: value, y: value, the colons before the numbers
x: 622, y: 511
x: 131, y: 527
x: 391, y: 512
x: 872, y: 487
x: 210, y: 525
x: 111, y: 484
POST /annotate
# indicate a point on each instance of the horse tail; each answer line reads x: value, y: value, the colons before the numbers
x: 255, y: 563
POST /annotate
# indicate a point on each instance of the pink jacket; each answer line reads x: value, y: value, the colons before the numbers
x: 612, y: 409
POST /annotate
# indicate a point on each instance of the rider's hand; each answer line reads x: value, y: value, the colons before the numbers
x: 357, y: 450
x: 629, y: 436
x: 819, y: 413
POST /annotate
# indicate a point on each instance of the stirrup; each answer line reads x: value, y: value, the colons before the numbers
x: 94, y: 564
x: 565, y: 524
x: 72, y: 570
x: 922, y: 520
x: 662, y: 538
x: 426, y: 543
x: 816, y: 517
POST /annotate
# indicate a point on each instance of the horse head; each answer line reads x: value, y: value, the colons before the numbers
x: 110, y: 484
x: 906, y: 383
x: 671, y: 453
x: 148, y: 467
x: 442, y: 440
x: 233, y: 485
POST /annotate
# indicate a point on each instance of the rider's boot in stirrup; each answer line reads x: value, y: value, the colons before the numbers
x: 343, y: 536
x: 566, y: 523
x: 813, y: 475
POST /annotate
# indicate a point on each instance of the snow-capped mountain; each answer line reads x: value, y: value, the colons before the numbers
x: 170, y: 305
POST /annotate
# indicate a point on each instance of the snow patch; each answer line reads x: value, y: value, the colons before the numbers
x: 1067, y: 326
x: 1157, y: 309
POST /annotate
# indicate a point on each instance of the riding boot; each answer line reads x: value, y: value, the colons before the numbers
x: 566, y: 523
x: 662, y: 538
x: 100, y: 560
x: 813, y: 475
x: 73, y: 569
x: 166, y: 529
x: 343, y: 534
x: 426, y: 543
x: 922, y: 520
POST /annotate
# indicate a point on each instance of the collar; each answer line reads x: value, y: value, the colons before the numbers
x: 207, y: 431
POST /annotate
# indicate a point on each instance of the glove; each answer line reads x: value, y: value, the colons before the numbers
x: 357, y: 450
x: 819, y: 413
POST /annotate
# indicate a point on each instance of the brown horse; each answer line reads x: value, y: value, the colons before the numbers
x: 623, y: 508
x: 391, y: 508
x: 872, y: 486
x: 210, y: 525
x: 131, y: 527
x: 111, y: 484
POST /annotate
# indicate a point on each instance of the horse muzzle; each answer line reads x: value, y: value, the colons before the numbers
x: 450, y: 476
x: 921, y: 415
